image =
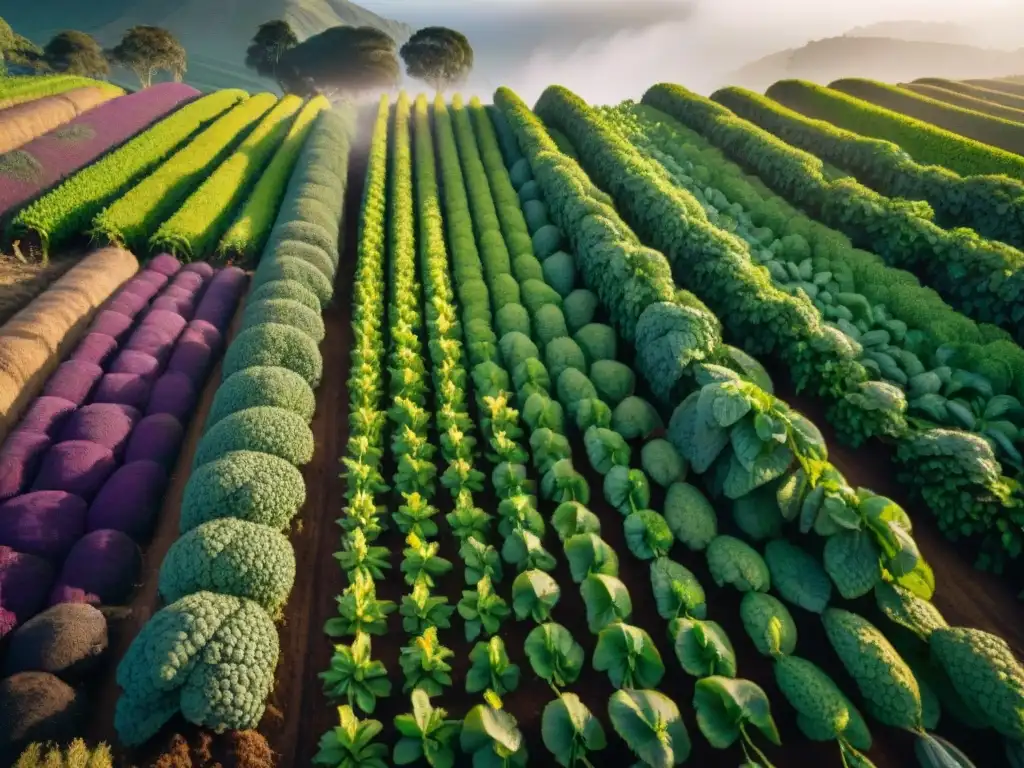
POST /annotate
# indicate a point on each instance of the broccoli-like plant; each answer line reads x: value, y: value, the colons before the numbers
x: 534, y: 594
x: 425, y: 664
x: 554, y: 654
x: 614, y: 381
x: 415, y: 516
x: 264, y: 429
x: 350, y: 744
x: 490, y: 668
x: 357, y: 555
x: 355, y: 676
x: 186, y: 656
x: 607, y: 601
x: 629, y: 656
x: 359, y: 610
x: 426, y: 734
x: 492, y: 736
x: 570, y: 731
x: 421, y: 563
x: 420, y: 610
x: 650, y: 724
x: 483, y: 609
x: 727, y: 710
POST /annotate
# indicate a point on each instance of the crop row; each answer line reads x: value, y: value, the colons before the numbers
x: 204, y: 215
x: 17, y: 90
x: 25, y: 122
x: 86, y: 470
x: 966, y: 97
x: 247, y: 235
x: 981, y: 278
x: 212, y: 652
x: 1004, y: 133
x: 904, y: 333
x: 36, y: 339
x: 138, y: 212
x: 52, y: 220
x: 1006, y: 86
x: 924, y: 142
x: 706, y: 431
x: 38, y: 165
x: 980, y: 92
x: 991, y: 205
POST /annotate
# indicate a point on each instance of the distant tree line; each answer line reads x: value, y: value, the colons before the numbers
x: 349, y: 60
x: 341, y: 60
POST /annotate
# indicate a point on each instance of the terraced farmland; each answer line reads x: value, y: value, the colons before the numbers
x: 680, y: 431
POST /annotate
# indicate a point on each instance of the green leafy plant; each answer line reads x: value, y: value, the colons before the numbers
x: 629, y: 656
x: 350, y: 744
x: 481, y: 559
x: 467, y: 520
x: 426, y: 734
x: 420, y: 561
x: 415, y: 516
x: 492, y: 736
x: 359, y: 556
x: 359, y: 610
x: 424, y: 663
x: 702, y: 647
x: 420, y: 610
x: 607, y: 601
x: 570, y: 731
x: 554, y: 654
x: 588, y: 554
x: 650, y: 724
x: 490, y: 668
x: 355, y: 676
x: 524, y: 550
x: 727, y: 709
x: 483, y: 609
x: 534, y: 594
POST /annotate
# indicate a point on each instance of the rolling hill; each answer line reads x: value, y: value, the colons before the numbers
x: 214, y: 32
x: 879, y: 58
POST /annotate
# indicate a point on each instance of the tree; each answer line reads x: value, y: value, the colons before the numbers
x: 76, y: 53
x: 439, y: 56
x: 340, y: 59
x: 268, y: 45
x: 146, y: 50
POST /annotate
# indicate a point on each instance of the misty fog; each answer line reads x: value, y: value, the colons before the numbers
x: 610, y: 51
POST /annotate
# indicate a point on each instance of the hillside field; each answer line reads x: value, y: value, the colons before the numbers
x: 684, y: 430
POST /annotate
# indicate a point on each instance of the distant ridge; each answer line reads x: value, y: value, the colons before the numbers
x: 214, y: 32
x: 878, y: 58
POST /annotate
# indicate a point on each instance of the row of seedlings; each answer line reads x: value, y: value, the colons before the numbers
x: 212, y: 653
x: 715, y: 428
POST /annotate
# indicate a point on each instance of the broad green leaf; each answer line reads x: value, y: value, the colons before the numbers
x: 554, y: 654
x: 534, y: 594
x: 725, y: 705
x: 629, y: 656
x: 607, y: 601
x: 570, y: 730
x: 702, y: 647
x: 852, y: 561
x: 649, y: 723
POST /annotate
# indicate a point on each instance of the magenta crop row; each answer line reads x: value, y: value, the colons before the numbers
x: 30, y: 170
x: 83, y: 475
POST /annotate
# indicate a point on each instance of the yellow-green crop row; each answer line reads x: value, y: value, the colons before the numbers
x: 202, y: 218
x: 134, y: 216
x: 68, y: 209
x: 17, y: 90
x: 966, y: 100
x: 248, y: 234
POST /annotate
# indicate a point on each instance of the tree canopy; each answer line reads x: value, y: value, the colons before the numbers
x: 147, y: 50
x: 269, y: 44
x: 340, y: 60
x: 76, y: 53
x: 439, y: 56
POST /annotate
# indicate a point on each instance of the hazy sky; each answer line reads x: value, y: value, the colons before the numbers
x: 608, y: 51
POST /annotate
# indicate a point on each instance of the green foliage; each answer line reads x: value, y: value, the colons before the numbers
x: 483, y: 609
x: 734, y: 562
x: 490, y: 668
x: 607, y: 601
x: 146, y: 50
x: 549, y: 324
x: 702, y: 647
x: 425, y: 664
x: 256, y: 386
x: 275, y: 345
x: 492, y: 736
x: 355, y: 676
x: 230, y: 557
x: 627, y: 489
x: 426, y: 734
x: 534, y: 594
x: 359, y: 610
x: 247, y: 485
x: 629, y: 656
x: 650, y: 724
x: 690, y: 516
x: 186, y: 656
x: 560, y: 272
x: 797, y: 576
x: 285, y: 312
x: 727, y: 708
x: 570, y: 730
x: 598, y: 342
x: 368, y: 62
x: 554, y: 655
x: 769, y: 624
x: 588, y: 554
x: 438, y: 55
x: 264, y: 429
x: 677, y: 592
x: 351, y: 743
x: 563, y: 353
x: 68, y: 209
x: 647, y: 534
x: 579, y: 308
x: 662, y: 462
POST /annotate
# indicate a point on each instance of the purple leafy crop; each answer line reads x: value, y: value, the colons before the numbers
x: 43, y: 523
x: 130, y: 500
